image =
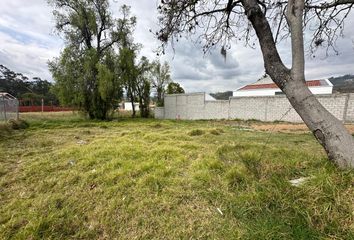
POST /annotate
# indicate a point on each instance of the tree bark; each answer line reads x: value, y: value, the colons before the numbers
x: 133, y: 105
x: 159, y: 94
x: 329, y: 131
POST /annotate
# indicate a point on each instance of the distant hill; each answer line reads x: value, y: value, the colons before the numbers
x: 222, y: 95
x: 343, y: 84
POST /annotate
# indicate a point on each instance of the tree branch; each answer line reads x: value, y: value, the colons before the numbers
x: 329, y: 5
x: 272, y: 61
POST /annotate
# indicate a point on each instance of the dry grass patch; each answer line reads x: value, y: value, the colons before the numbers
x: 150, y: 179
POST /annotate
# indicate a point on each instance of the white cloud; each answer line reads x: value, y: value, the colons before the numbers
x: 29, y: 59
x: 27, y: 41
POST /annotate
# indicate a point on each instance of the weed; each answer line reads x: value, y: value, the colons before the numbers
x: 18, y: 124
x: 4, y: 129
x: 157, y: 125
x: 196, y: 132
x: 237, y: 176
x: 216, y: 131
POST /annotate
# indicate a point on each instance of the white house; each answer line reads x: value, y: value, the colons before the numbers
x: 127, y: 106
x: 266, y: 87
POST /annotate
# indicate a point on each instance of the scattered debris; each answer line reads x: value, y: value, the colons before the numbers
x: 72, y: 162
x: 243, y: 128
x: 299, y: 181
x: 246, y: 129
x: 82, y: 142
x: 93, y: 186
x: 219, y: 210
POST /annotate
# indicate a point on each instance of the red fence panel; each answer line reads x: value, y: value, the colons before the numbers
x: 45, y: 109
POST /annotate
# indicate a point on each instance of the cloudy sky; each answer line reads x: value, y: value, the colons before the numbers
x: 28, y: 41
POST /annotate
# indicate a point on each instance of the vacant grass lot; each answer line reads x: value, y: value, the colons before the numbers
x: 67, y: 178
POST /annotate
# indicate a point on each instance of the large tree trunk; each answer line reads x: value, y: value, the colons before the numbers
x: 141, y: 106
x: 159, y: 94
x: 328, y: 130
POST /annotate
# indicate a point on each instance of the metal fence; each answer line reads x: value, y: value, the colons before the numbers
x: 8, y: 107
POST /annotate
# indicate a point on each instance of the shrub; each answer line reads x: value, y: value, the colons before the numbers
x: 216, y: 131
x: 4, y: 129
x: 18, y: 124
x: 196, y: 132
x: 157, y: 125
x: 237, y: 176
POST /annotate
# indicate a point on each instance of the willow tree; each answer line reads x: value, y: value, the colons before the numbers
x: 221, y: 22
x: 128, y: 51
x: 85, y: 72
x: 143, y: 86
x: 160, y: 78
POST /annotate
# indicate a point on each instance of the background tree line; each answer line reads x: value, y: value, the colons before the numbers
x: 20, y: 86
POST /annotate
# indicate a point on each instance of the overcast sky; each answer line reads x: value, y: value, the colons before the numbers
x: 27, y: 42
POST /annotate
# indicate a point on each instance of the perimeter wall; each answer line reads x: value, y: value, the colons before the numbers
x: 270, y: 108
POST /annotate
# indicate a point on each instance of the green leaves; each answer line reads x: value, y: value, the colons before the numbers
x: 105, y: 82
x: 174, y: 88
x: 85, y: 73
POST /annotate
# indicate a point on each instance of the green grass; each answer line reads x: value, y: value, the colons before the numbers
x: 69, y: 178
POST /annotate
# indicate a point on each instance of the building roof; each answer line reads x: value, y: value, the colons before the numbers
x: 265, y: 84
x: 6, y: 95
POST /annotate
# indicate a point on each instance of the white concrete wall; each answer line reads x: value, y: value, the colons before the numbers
x: 216, y: 110
x: 350, y: 108
x: 264, y: 108
x: 256, y: 92
x: 248, y: 108
x: 159, y: 113
x: 321, y: 90
x: 128, y: 106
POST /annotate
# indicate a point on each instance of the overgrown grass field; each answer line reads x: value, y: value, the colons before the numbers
x: 68, y: 178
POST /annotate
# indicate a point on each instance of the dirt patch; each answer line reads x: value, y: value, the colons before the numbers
x: 288, y: 127
x: 350, y: 127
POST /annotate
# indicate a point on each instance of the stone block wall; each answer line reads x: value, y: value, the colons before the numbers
x: 270, y: 108
x: 248, y: 108
x: 159, y: 112
x: 350, y: 108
